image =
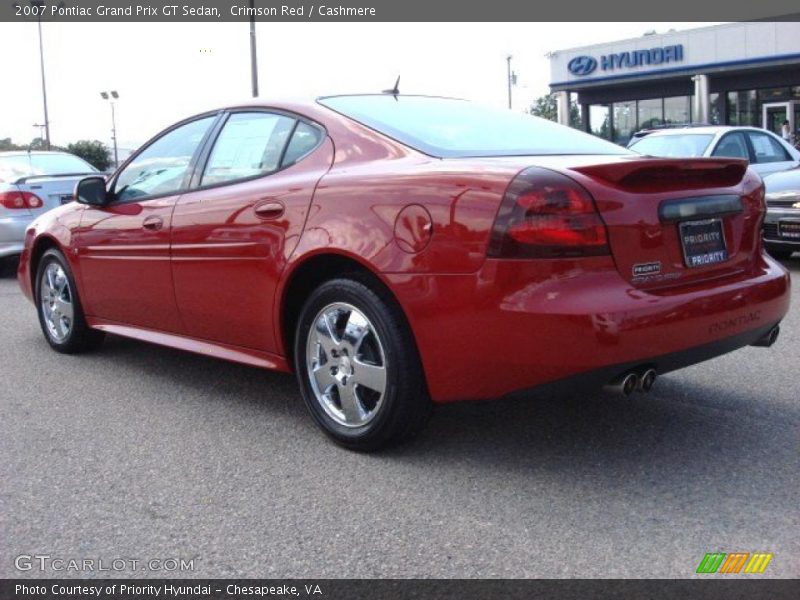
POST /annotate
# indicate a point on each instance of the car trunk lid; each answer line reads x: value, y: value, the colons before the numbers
x: 54, y: 190
x: 677, y: 221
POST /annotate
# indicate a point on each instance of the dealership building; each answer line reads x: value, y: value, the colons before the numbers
x: 732, y: 74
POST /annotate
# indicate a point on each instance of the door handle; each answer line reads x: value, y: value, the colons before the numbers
x: 269, y: 210
x: 153, y: 223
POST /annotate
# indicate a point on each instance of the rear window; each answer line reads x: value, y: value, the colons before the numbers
x: 679, y: 146
x: 446, y: 127
x: 25, y: 165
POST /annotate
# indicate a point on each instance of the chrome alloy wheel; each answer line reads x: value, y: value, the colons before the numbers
x: 56, y: 299
x: 346, y: 365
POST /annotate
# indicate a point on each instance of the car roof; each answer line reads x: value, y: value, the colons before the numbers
x: 32, y: 152
x: 704, y: 130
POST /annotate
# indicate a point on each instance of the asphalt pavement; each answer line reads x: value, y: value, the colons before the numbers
x: 138, y: 452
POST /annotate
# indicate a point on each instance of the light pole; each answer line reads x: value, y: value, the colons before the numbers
x: 253, y: 56
x: 511, y: 77
x: 114, y: 96
x: 39, y: 6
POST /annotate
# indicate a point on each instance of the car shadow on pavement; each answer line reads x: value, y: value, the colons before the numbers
x: 793, y: 263
x: 203, y: 376
x: 674, y: 440
x: 8, y: 268
x: 687, y: 441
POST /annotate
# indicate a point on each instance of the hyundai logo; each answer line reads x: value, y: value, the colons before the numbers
x: 582, y: 65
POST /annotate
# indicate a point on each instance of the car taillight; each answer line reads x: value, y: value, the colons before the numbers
x: 19, y: 200
x: 547, y: 215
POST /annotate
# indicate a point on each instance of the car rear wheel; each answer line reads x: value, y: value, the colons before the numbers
x: 358, y: 367
x: 60, y: 313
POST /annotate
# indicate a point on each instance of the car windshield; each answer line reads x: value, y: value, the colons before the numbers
x: 446, y: 127
x: 683, y: 145
x: 16, y: 166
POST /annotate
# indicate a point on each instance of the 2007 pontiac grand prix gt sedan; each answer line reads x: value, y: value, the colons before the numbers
x: 398, y: 251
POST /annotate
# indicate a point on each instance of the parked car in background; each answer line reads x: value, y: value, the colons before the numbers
x: 638, y: 135
x: 782, y: 223
x: 766, y: 152
x: 395, y: 251
x: 32, y: 183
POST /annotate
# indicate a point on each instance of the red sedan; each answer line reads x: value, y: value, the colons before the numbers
x: 398, y: 251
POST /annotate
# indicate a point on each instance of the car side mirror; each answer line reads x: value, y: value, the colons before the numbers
x: 91, y: 191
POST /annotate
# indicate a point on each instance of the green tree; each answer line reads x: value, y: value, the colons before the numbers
x: 37, y: 143
x: 7, y: 144
x: 93, y: 152
x: 547, y: 108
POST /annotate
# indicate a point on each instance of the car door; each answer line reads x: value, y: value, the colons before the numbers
x: 768, y: 152
x: 232, y: 235
x: 123, y: 247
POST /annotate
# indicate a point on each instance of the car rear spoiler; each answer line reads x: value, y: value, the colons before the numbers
x: 661, y: 174
x: 28, y: 178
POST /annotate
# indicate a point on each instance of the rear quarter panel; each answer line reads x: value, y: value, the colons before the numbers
x: 356, y: 208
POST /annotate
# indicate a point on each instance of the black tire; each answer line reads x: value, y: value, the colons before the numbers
x: 405, y: 405
x: 80, y: 337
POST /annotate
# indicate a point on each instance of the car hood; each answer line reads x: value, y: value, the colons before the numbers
x: 783, y: 181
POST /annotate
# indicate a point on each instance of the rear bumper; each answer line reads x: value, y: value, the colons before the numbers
x: 516, y: 325
x: 12, y: 233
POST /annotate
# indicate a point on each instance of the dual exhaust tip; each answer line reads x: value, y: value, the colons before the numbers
x: 642, y: 380
x: 633, y: 381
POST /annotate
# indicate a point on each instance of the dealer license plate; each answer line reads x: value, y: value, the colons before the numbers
x: 789, y: 229
x: 703, y: 242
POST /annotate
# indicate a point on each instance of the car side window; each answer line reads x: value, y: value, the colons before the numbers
x: 161, y: 167
x: 304, y: 139
x: 767, y: 149
x: 732, y: 145
x: 249, y: 145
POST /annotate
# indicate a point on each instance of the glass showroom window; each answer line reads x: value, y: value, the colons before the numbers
x: 742, y: 109
x: 774, y: 94
x: 575, y: 116
x: 600, y: 120
x: 624, y: 121
x: 677, y: 110
x: 651, y: 113
x: 715, y: 110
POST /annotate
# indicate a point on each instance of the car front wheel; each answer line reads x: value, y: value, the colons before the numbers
x: 358, y: 367
x: 59, y: 307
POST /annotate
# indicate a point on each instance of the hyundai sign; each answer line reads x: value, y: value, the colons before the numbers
x: 581, y: 66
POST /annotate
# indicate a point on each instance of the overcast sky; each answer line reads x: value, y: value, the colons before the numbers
x: 167, y: 71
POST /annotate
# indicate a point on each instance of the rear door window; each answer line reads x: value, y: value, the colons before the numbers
x: 249, y: 145
x: 767, y: 149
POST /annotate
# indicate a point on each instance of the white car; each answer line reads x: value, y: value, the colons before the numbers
x: 32, y: 183
x: 766, y: 152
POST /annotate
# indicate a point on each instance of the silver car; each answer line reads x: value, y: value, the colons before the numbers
x: 782, y: 223
x: 766, y: 152
x: 32, y: 183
